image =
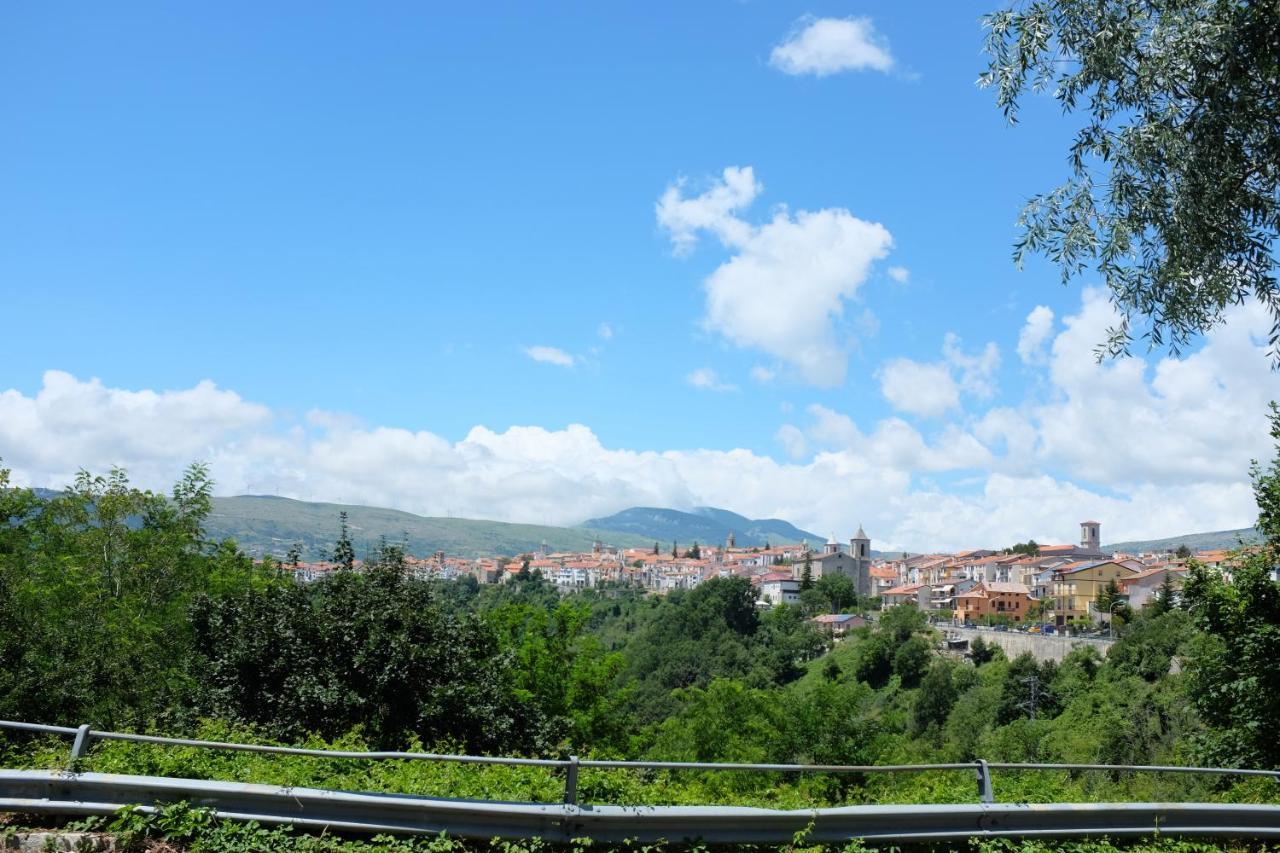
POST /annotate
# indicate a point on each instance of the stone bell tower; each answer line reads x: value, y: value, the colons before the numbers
x: 860, y: 550
x: 1091, y: 537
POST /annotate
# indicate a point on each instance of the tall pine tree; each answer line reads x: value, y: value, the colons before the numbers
x: 344, y: 553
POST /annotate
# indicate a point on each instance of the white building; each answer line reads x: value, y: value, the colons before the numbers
x: 779, y: 588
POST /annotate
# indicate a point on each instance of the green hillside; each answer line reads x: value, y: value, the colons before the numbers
x: 705, y: 524
x: 1194, y: 541
x: 265, y: 524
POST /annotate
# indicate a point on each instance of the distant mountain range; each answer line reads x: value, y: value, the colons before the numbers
x: 1194, y: 541
x: 704, y: 524
x: 268, y: 524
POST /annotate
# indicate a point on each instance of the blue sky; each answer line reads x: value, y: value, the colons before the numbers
x: 378, y: 212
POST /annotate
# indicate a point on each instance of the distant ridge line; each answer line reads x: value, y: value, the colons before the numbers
x: 1211, y: 541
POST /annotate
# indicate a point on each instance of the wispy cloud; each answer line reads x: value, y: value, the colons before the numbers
x: 707, y: 379
x: 550, y: 355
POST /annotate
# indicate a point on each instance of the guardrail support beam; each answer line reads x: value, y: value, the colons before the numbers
x: 985, y: 792
x: 571, y: 781
x: 80, y: 746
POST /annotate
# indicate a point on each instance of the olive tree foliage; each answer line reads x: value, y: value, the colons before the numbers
x: 1173, y: 196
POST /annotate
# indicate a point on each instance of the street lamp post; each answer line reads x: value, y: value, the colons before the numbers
x: 1111, y: 619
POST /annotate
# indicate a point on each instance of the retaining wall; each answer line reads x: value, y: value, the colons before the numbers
x: 1043, y: 646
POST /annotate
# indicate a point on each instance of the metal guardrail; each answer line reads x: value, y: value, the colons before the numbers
x: 51, y: 792
x: 84, y: 736
x: 93, y: 793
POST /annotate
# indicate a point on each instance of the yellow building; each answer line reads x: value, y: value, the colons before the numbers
x: 1076, y: 587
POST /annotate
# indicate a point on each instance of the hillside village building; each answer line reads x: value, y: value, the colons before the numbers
x: 1076, y: 587
x: 1140, y: 589
x: 978, y: 585
x: 1089, y: 547
x: 918, y: 594
x: 779, y: 588
x: 854, y: 563
x: 993, y: 599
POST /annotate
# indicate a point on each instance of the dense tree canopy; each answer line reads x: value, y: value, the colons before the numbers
x: 1174, y: 193
x: 373, y: 650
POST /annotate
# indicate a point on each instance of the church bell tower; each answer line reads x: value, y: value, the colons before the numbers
x: 1091, y: 536
x: 860, y: 550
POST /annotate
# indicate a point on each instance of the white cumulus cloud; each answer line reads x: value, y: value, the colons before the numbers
x: 931, y: 389
x: 976, y: 372
x: 788, y: 279
x: 1151, y: 447
x: 1035, y: 333
x: 823, y: 46
x: 71, y: 424
x: 550, y: 355
x: 713, y: 210
x: 1200, y: 418
x: 919, y: 389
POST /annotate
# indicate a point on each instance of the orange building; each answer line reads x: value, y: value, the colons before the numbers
x: 993, y: 599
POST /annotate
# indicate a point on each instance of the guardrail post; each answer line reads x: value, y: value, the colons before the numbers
x: 80, y: 746
x: 985, y: 793
x: 571, y: 781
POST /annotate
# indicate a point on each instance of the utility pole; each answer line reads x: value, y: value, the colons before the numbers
x: 1037, y: 695
x: 1032, y: 703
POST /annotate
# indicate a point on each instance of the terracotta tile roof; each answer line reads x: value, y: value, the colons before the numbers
x: 1080, y: 564
x: 1154, y: 570
x: 1014, y: 588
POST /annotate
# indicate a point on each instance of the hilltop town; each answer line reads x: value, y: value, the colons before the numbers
x: 1053, y: 586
